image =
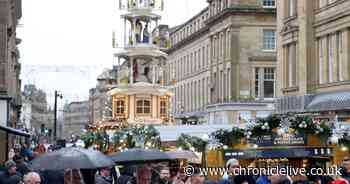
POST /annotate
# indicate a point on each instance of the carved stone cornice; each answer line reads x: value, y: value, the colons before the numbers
x: 288, y: 28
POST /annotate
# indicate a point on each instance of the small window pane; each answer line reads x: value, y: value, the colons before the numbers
x: 268, y: 89
x: 269, y: 3
x: 139, y: 110
x: 257, y: 83
x: 269, y: 40
x: 147, y: 110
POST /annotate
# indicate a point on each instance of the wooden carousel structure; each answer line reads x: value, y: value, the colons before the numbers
x: 140, y: 98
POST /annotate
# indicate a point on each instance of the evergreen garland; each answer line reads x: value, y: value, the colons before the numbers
x: 192, y: 143
x: 228, y: 137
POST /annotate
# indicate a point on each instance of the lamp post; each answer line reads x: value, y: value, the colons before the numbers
x: 57, y: 94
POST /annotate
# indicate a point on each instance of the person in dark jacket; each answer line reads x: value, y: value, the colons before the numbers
x: 10, y: 176
x: 22, y: 166
x: 127, y: 175
x: 345, y: 171
x: 263, y: 180
x: 52, y: 177
x: 104, y: 176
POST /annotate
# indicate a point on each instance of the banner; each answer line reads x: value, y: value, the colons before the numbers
x: 288, y: 139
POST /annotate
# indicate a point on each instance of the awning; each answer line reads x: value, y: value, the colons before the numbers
x: 330, y: 101
x: 14, y: 131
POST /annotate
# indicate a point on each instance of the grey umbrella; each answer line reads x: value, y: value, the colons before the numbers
x: 138, y: 155
x: 72, y: 158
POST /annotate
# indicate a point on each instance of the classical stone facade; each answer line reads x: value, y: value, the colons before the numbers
x: 313, y: 62
x: 223, y: 61
x: 76, y: 118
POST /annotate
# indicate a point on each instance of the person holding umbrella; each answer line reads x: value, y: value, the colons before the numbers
x: 73, y: 160
x: 104, y: 176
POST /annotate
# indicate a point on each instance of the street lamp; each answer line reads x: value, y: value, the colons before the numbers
x: 57, y: 94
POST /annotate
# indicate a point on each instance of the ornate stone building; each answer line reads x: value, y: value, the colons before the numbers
x: 141, y: 97
x: 313, y: 62
x: 223, y: 62
x: 10, y: 84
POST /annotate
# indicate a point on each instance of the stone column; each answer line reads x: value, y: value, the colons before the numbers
x: 131, y: 70
x: 150, y: 39
x: 133, y: 31
x: 261, y: 84
x: 125, y: 37
x: 153, y: 74
x: 346, y: 54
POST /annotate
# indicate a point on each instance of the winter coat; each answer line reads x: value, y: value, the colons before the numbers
x: 6, y: 178
x: 103, y: 180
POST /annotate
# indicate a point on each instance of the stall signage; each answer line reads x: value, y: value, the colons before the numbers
x: 280, y: 140
x: 277, y: 153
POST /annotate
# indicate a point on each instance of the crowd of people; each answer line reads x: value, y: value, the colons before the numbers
x: 18, y: 171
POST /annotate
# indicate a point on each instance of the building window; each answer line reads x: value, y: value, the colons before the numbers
x: 163, y: 107
x: 120, y: 107
x: 340, y: 55
x: 269, y: 3
x: 320, y: 60
x: 264, y: 82
x: 228, y: 42
x: 269, y: 39
x: 143, y: 107
x: 330, y: 58
x: 269, y: 82
x: 290, y: 52
x: 199, y: 59
x: 257, y: 83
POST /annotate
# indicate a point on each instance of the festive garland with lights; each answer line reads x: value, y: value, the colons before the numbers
x: 273, y: 124
x: 192, y: 143
x: 128, y: 138
x: 304, y: 125
x: 228, y: 137
x: 123, y: 139
x: 97, y: 138
x: 264, y: 126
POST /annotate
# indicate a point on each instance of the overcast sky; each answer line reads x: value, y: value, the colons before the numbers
x: 79, y: 32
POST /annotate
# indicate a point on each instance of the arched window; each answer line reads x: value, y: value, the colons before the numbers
x: 143, y: 106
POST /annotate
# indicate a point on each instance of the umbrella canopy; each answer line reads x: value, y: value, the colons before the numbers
x: 190, y: 156
x: 139, y: 156
x: 72, y: 158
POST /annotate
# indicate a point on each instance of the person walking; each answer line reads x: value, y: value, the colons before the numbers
x: 10, y: 175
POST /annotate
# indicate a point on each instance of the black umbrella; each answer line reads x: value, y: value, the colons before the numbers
x: 72, y: 158
x: 139, y: 156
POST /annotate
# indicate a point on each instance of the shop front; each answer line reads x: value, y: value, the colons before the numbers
x: 296, y: 150
x: 9, y: 137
